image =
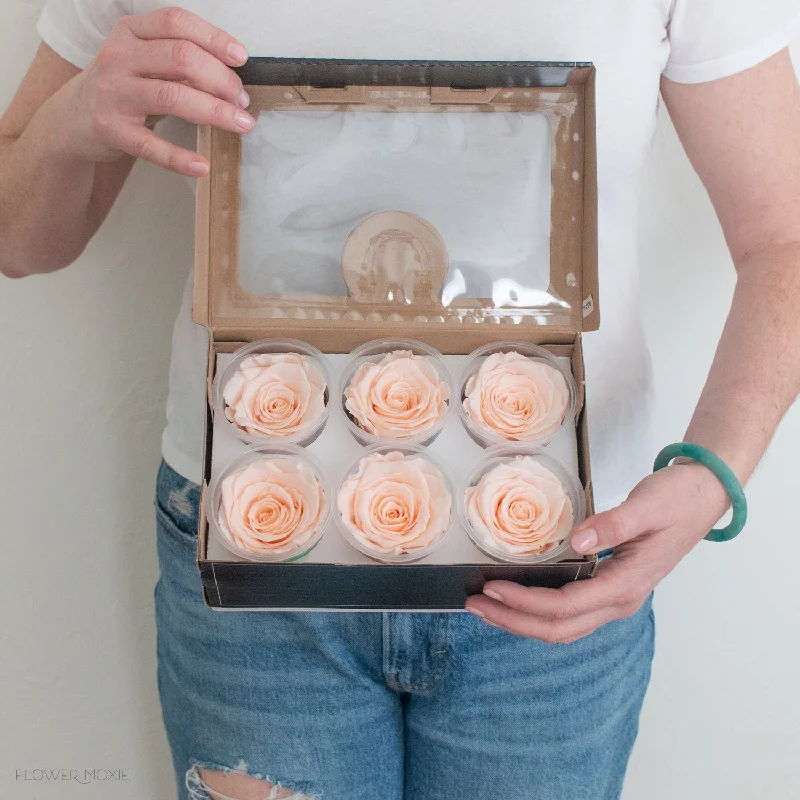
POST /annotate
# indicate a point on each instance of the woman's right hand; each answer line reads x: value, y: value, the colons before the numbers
x: 166, y: 62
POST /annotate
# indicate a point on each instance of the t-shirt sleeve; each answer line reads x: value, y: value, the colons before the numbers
x: 712, y: 39
x: 76, y: 29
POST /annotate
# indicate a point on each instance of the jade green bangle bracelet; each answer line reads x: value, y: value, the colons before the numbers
x: 726, y: 477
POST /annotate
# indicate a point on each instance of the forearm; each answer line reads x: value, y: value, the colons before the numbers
x: 755, y: 375
x: 51, y: 202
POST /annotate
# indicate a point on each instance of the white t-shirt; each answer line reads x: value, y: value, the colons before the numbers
x: 631, y: 42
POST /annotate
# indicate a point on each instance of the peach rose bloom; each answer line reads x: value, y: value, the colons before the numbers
x: 520, y: 508
x: 271, y: 506
x: 274, y: 394
x: 399, y: 397
x: 517, y: 397
x: 395, y: 504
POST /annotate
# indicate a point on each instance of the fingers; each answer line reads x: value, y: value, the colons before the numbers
x: 168, y: 62
x: 573, y: 600
x: 176, y: 99
x: 611, y: 528
x: 177, y: 23
x: 143, y: 143
x: 557, y: 615
x: 553, y: 632
x: 182, y: 60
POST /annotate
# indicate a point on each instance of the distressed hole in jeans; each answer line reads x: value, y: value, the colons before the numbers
x: 213, y: 782
x: 179, y: 501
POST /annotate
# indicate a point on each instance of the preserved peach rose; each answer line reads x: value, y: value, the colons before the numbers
x: 399, y: 397
x: 274, y: 394
x: 271, y: 506
x: 519, y: 398
x: 395, y: 504
x: 520, y: 507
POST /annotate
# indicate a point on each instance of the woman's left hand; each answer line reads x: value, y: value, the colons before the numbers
x: 664, y: 517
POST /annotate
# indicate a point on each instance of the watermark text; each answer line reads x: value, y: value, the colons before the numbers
x: 66, y: 775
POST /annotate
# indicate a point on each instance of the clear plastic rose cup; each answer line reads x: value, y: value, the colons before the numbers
x: 396, y: 390
x: 515, y: 392
x: 396, y: 503
x: 275, y: 391
x: 520, y: 504
x: 272, y: 503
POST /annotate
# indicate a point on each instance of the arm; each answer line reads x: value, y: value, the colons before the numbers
x: 48, y: 228
x: 70, y: 137
x: 742, y: 134
x: 742, y: 138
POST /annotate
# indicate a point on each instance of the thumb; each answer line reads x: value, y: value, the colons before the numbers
x: 611, y: 528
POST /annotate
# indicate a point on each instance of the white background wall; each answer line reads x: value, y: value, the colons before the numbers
x: 77, y: 674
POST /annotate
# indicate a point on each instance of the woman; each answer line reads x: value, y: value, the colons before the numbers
x: 543, y: 703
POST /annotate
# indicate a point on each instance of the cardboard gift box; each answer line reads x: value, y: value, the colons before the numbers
x: 287, y: 245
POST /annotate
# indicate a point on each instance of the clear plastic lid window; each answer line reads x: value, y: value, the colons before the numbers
x: 429, y: 203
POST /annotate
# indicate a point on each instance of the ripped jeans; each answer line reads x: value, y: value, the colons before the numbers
x: 366, y: 706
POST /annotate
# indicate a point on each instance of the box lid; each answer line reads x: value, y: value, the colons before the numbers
x: 410, y: 193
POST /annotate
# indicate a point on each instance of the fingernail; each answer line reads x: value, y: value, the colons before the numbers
x: 244, y: 99
x: 198, y: 168
x: 494, y: 595
x: 237, y: 53
x: 244, y: 120
x: 585, y: 541
x: 477, y: 612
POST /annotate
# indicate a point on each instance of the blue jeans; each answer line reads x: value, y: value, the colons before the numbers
x: 358, y: 706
